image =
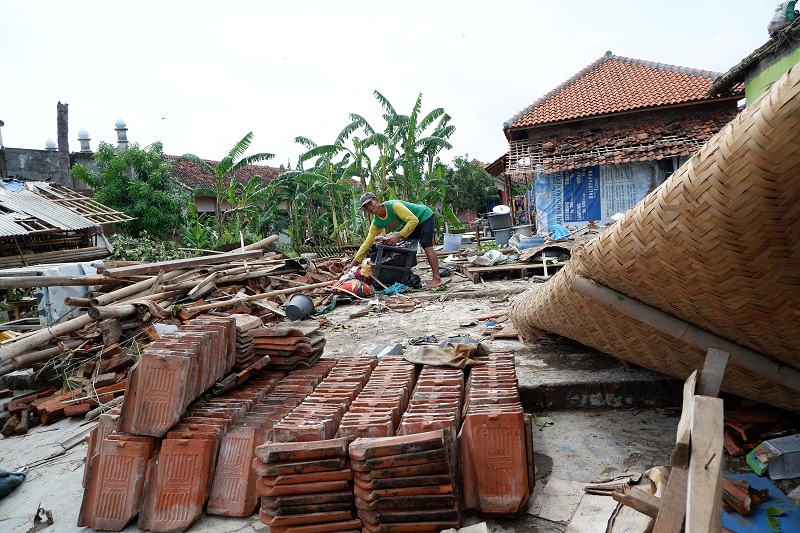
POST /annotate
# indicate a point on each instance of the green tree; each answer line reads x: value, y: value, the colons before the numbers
x: 469, y: 186
x: 138, y: 182
x: 226, y: 168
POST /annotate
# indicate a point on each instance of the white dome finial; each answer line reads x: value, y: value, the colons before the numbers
x: 120, y: 124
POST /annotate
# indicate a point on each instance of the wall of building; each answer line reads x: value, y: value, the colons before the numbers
x: 761, y: 77
x: 26, y: 164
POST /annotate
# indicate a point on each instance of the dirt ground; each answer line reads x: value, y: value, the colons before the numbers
x: 452, y: 311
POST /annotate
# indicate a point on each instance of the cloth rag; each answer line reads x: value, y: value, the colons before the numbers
x: 458, y: 355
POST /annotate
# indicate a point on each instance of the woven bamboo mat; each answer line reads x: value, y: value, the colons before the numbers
x: 717, y: 246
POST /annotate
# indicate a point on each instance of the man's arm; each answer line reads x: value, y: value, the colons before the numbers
x: 405, y: 214
x: 365, y: 246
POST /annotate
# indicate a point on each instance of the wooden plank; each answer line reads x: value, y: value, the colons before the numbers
x: 639, y: 500
x: 704, y: 488
x: 673, y: 504
x: 177, y: 264
x: 713, y: 371
x: 680, y: 454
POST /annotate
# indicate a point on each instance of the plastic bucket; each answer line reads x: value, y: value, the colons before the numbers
x: 452, y: 242
x: 502, y: 236
x: 299, y: 307
x: 523, y: 231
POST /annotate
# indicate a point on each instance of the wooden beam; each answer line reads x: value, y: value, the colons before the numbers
x: 704, y: 489
x: 30, y: 282
x: 176, y: 264
x: 713, y: 371
x: 673, y: 504
x: 680, y: 454
x: 639, y: 500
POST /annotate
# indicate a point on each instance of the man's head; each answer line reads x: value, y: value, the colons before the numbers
x: 366, y: 197
x: 370, y: 204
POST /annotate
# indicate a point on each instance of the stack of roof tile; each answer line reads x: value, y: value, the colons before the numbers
x: 245, y: 353
x: 306, y: 487
x: 320, y: 414
x: 179, y: 477
x: 116, y: 466
x: 167, y: 482
x: 377, y: 409
x: 404, y: 483
x: 495, y: 442
x: 173, y: 371
x: 233, y: 490
x: 290, y: 347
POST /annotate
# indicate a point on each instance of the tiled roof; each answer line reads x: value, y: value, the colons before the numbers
x: 613, y: 84
x: 644, y: 136
x: 195, y: 177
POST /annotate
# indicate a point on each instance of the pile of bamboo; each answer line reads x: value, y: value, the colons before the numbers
x: 131, y: 304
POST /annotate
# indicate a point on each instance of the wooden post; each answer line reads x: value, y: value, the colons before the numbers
x: 704, y: 490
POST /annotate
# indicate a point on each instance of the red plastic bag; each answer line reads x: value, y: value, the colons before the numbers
x: 353, y: 286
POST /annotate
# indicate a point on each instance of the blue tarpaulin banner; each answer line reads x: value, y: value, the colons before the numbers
x: 591, y: 193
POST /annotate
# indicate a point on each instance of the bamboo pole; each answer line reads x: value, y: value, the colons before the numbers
x: 685, y: 332
x: 130, y: 290
x: 243, y: 299
x: 27, y: 360
x: 72, y: 301
x: 42, y: 336
x: 30, y: 282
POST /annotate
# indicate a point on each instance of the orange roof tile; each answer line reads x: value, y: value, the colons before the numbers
x: 613, y: 84
x: 194, y: 177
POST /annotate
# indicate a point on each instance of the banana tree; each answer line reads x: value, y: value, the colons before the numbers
x: 227, y: 166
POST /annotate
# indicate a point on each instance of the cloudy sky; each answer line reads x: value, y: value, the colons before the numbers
x: 198, y: 75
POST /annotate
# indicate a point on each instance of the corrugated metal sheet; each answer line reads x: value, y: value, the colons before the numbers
x: 9, y: 228
x: 43, y: 209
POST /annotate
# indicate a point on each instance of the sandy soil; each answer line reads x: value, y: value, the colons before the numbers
x: 452, y: 311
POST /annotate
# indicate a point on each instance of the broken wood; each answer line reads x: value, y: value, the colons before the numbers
x: 177, y: 264
x: 639, y: 500
x: 704, y: 488
x: 234, y: 301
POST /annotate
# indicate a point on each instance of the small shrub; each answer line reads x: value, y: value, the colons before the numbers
x: 146, y: 248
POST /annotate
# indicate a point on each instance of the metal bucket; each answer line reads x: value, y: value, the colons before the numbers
x: 524, y: 231
x: 502, y: 236
x: 499, y: 221
x: 299, y: 307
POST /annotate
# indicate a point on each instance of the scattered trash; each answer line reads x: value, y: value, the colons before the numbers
x: 543, y: 422
x: 9, y: 481
x: 427, y: 339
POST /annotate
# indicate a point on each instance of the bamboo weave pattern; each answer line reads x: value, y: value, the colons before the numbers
x: 716, y: 245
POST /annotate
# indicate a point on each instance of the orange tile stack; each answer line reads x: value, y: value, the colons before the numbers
x: 404, y: 483
x: 175, y: 370
x: 233, y: 490
x: 377, y: 409
x: 306, y: 487
x: 245, y: 353
x: 320, y: 414
x: 495, y: 442
x: 289, y: 347
x: 116, y: 478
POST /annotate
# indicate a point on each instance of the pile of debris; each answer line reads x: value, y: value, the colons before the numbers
x: 140, y: 307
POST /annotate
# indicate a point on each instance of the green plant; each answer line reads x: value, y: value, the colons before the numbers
x: 199, y: 230
x: 146, y: 248
x: 138, y: 182
x: 240, y: 198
